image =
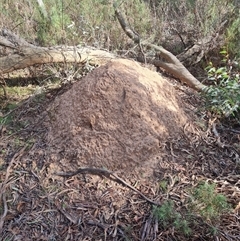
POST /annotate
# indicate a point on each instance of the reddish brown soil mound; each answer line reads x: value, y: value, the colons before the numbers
x: 117, y: 117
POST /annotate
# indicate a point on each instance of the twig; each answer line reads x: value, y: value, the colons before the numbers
x: 232, y: 130
x: 5, y: 184
x: 144, y: 55
x: 2, y: 219
x: 108, y: 174
x: 218, y: 138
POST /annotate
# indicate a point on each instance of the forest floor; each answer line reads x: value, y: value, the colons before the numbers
x: 158, y: 167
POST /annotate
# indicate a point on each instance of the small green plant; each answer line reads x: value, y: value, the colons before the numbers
x: 168, y: 216
x: 223, y: 96
x: 163, y: 185
x: 5, y: 120
x: 52, y: 23
x: 208, y: 203
x: 233, y: 31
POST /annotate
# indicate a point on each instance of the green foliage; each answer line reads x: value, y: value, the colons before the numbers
x: 209, y: 204
x: 168, y: 216
x: 98, y: 26
x: 233, y: 35
x: 163, y: 185
x: 233, y: 30
x: 204, y: 201
x: 51, y: 30
x: 90, y: 22
x: 5, y: 120
x: 223, y: 96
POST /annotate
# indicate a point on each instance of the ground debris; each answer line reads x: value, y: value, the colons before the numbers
x: 129, y: 120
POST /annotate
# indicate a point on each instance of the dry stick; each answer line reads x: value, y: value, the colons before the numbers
x: 4, y: 185
x: 108, y: 174
x: 5, y: 207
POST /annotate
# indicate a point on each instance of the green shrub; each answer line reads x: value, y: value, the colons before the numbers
x: 168, y: 216
x: 233, y: 30
x: 208, y: 203
x: 223, y: 96
x: 98, y: 26
x: 51, y: 30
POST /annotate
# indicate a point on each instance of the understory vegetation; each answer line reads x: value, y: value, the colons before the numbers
x: 223, y: 95
x: 175, y: 24
x: 204, y: 202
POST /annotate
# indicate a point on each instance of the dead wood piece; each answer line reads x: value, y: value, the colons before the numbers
x: 4, y: 185
x: 6, y: 43
x: 26, y: 54
x: 11, y: 40
x: 108, y: 174
x: 29, y: 56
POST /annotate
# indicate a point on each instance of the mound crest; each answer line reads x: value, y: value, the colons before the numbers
x: 117, y: 117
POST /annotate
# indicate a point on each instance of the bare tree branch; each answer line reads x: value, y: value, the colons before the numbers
x: 172, y: 64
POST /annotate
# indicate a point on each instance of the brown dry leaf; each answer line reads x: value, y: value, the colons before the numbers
x: 237, y: 208
x: 21, y: 206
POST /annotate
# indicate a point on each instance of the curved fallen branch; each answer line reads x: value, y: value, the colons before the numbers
x: 171, y: 63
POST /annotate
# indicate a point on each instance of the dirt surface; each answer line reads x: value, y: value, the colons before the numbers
x: 126, y: 119
x: 118, y: 117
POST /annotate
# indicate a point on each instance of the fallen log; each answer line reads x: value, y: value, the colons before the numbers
x: 26, y: 54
